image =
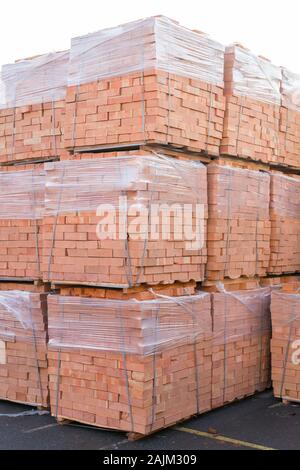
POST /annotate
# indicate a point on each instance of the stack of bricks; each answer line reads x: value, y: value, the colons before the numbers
x: 32, y: 107
x: 285, y: 224
x: 84, y: 244
x: 149, y: 81
x: 238, y: 223
x: 290, y: 118
x: 285, y: 309
x: 241, y: 344
x: 130, y: 365
x: 23, y: 345
x: 21, y: 212
x: 252, y: 117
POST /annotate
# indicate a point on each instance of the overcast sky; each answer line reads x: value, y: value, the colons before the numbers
x: 267, y: 27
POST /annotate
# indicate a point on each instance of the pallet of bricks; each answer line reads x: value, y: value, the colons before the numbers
x: 149, y: 81
x: 262, y: 116
x: 32, y: 108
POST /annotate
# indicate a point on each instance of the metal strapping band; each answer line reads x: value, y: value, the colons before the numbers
x: 59, y: 368
x: 143, y: 93
x: 154, y: 371
x: 229, y: 192
x: 261, y: 332
x: 256, y: 231
x: 37, y: 252
x: 128, y: 264
x: 239, y: 126
x: 225, y: 346
x: 53, y: 129
x: 291, y: 322
x: 75, y: 106
x: 209, y: 115
x: 55, y: 222
x: 39, y: 378
x: 123, y: 350
x: 169, y: 106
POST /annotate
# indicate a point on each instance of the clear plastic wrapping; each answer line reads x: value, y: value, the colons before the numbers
x: 252, y: 76
x: 156, y: 42
x: 84, y: 185
x: 240, y: 314
x: 136, y: 327
x: 285, y: 309
x: 21, y: 317
x: 285, y: 196
x: 22, y: 194
x: 290, y: 90
x: 238, y: 193
x: 41, y: 79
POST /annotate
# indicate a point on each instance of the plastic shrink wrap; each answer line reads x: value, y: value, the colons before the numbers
x: 23, y: 347
x: 150, y: 80
x: 238, y: 222
x: 241, y: 344
x: 130, y: 365
x: 285, y: 224
x: 155, y: 211
x: 253, y: 98
x: 21, y: 211
x: 32, y: 107
x: 290, y: 118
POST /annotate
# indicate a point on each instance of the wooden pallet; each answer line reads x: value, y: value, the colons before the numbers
x: 143, y: 292
x: 241, y: 283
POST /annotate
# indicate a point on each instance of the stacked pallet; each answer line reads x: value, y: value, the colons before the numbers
x: 241, y: 344
x: 125, y: 221
x: 130, y: 365
x: 290, y: 118
x: 32, y: 107
x: 285, y: 308
x: 285, y: 224
x: 23, y: 346
x: 238, y: 223
x: 149, y: 81
x: 252, y: 117
x: 21, y: 212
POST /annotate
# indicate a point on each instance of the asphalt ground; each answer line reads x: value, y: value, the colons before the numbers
x: 257, y: 423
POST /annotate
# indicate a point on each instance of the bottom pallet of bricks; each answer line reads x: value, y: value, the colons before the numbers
x: 141, y: 366
x: 23, y: 347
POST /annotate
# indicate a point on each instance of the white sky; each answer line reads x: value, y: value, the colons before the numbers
x: 267, y: 27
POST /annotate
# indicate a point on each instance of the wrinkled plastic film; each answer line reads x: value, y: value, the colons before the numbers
x: 285, y: 307
x: 18, y: 318
x: 247, y: 314
x: 22, y: 194
x: 151, y: 43
x: 42, y: 79
x: 252, y: 76
x: 84, y: 185
x: 290, y: 90
x: 135, y: 327
x: 285, y: 196
x: 248, y: 192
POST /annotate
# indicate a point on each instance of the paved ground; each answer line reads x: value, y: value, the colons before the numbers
x: 257, y: 422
